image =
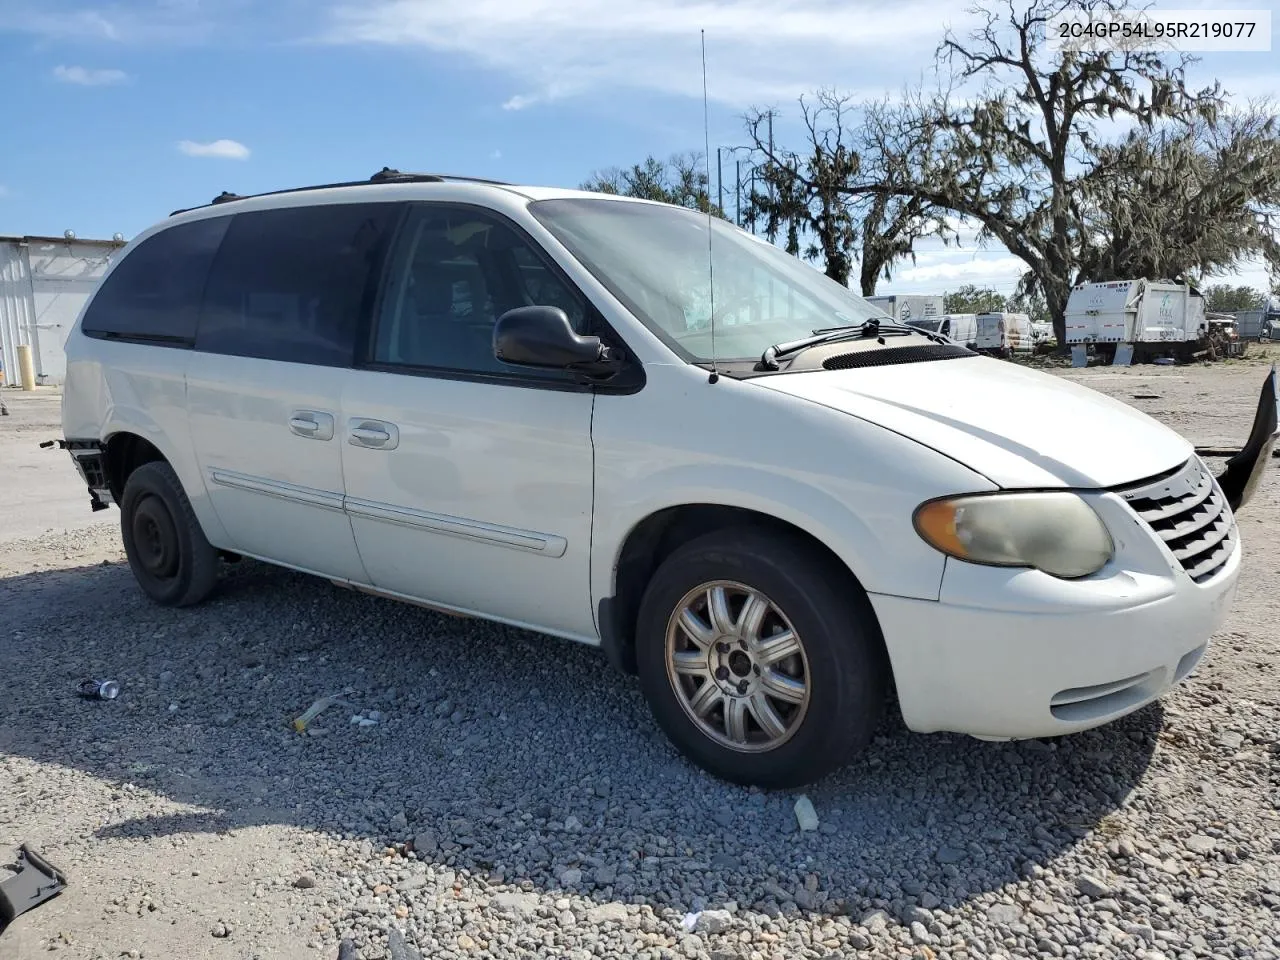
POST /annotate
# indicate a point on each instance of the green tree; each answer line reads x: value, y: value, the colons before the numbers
x: 973, y: 299
x: 1185, y: 201
x: 681, y: 180
x: 1224, y: 298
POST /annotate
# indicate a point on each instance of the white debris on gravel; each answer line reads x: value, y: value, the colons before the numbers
x: 521, y: 802
x: 806, y: 816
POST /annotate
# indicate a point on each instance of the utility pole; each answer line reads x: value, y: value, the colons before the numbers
x: 753, y: 193
x: 737, y: 210
x: 773, y: 199
x: 719, y: 181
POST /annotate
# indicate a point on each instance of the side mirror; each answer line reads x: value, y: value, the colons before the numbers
x: 543, y: 337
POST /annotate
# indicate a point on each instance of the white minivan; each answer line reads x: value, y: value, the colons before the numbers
x: 537, y: 406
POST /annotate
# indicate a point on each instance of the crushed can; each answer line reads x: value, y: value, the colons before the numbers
x: 99, y: 689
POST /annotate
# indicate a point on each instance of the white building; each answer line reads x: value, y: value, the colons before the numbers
x: 44, y: 281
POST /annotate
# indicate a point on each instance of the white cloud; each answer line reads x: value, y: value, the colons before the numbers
x: 225, y: 149
x: 757, y: 50
x: 136, y: 21
x: 496, y: 155
x: 85, y: 77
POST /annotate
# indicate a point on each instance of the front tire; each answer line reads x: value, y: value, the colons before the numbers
x: 761, y: 661
x: 168, y: 553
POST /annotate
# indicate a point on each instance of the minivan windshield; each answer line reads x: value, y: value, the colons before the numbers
x: 654, y: 258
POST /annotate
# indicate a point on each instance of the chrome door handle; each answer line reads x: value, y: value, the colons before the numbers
x: 312, y: 424
x: 375, y: 434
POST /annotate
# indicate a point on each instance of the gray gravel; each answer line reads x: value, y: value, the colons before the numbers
x: 514, y: 797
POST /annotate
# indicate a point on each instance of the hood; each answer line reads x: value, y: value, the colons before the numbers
x: 1017, y: 427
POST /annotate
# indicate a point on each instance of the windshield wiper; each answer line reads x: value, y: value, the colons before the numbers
x: 866, y: 329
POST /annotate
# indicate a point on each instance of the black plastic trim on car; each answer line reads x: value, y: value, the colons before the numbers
x: 893, y: 355
x: 630, y: 380
x: 145, y: 339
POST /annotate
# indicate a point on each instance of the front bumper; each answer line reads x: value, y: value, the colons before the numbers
x: 1014, y: 653
x: 1060, y: 664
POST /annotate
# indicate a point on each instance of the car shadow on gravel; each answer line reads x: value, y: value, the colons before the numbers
x: 508, y: 754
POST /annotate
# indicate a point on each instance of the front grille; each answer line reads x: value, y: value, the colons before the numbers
x: 1187, y: 509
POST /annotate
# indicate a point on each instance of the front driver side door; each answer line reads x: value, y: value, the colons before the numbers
x: 468, y: 480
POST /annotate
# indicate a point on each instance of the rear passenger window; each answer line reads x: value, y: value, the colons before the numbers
x: 294, y: 283
x: 153, y: 294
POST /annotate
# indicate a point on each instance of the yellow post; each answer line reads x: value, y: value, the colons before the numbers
x: 26, y: 368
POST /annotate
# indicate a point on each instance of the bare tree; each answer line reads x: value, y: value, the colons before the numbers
x: 1020, y: 158
x: 803, y: 193
x: 817, y: 192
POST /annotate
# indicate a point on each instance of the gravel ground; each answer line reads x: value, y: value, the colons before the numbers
x: 515, y: 799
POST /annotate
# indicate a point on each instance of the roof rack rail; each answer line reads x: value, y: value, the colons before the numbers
x: 385, y: 175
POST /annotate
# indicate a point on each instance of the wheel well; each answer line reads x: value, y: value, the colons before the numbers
x: 654, y: 539
x: 125, y: 453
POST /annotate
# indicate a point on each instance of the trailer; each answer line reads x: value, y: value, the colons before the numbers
x: 1261, y: 324
x: 906, y: 308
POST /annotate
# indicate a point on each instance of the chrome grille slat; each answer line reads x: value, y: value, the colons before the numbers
x: 1172, y: 507
x: 1202, y: 545
x: 1188, y: 511
x: 1209, y: 517
x: 1210, y: 565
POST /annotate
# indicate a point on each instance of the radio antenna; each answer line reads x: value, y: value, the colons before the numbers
x: 711, y: 268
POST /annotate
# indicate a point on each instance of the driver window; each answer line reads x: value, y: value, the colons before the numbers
x: 453, y: 273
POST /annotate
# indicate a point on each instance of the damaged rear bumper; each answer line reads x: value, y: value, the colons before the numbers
x: 89, y: 456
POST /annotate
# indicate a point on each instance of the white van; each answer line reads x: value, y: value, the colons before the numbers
x: 531, y: 405
x: 1005, y: 334
x: 960, y: 327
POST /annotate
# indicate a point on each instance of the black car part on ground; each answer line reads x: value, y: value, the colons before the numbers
x: 33, y: 882
x: 1239, y: 479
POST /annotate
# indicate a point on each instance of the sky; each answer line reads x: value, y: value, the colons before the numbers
x: 117, y: 112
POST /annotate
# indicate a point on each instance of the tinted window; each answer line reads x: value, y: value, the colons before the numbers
x: 153, y: 294
x: 293, y: 283
x: 454, y: 272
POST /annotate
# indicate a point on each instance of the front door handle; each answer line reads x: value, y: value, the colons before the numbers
x: 312, y: 424
x: 375, y: 434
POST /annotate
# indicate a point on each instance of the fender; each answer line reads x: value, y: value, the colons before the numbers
x: 863, y: 538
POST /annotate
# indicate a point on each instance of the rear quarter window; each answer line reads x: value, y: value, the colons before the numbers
x: 153, y: 294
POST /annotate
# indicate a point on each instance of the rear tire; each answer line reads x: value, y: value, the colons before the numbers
x: 787, y: 677
x: 168, y: 553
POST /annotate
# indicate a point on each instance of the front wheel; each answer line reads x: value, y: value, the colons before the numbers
x: 761, y: 662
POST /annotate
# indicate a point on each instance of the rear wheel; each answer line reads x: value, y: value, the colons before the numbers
x: 168, y: 553
x: 758, y: 660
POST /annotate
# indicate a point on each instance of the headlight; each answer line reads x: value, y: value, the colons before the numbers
x: 1057, y: 533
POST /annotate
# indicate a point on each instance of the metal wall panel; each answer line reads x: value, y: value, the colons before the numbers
x: 17, y: 306
x: 43, y: 286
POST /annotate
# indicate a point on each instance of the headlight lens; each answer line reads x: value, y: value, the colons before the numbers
x: 1057, y: 533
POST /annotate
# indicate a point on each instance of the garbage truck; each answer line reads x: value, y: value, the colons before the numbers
x: 1159, y: 318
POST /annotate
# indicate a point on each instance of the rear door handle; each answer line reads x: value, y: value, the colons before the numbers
x: 312, y: 424
x: 375, y: 434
